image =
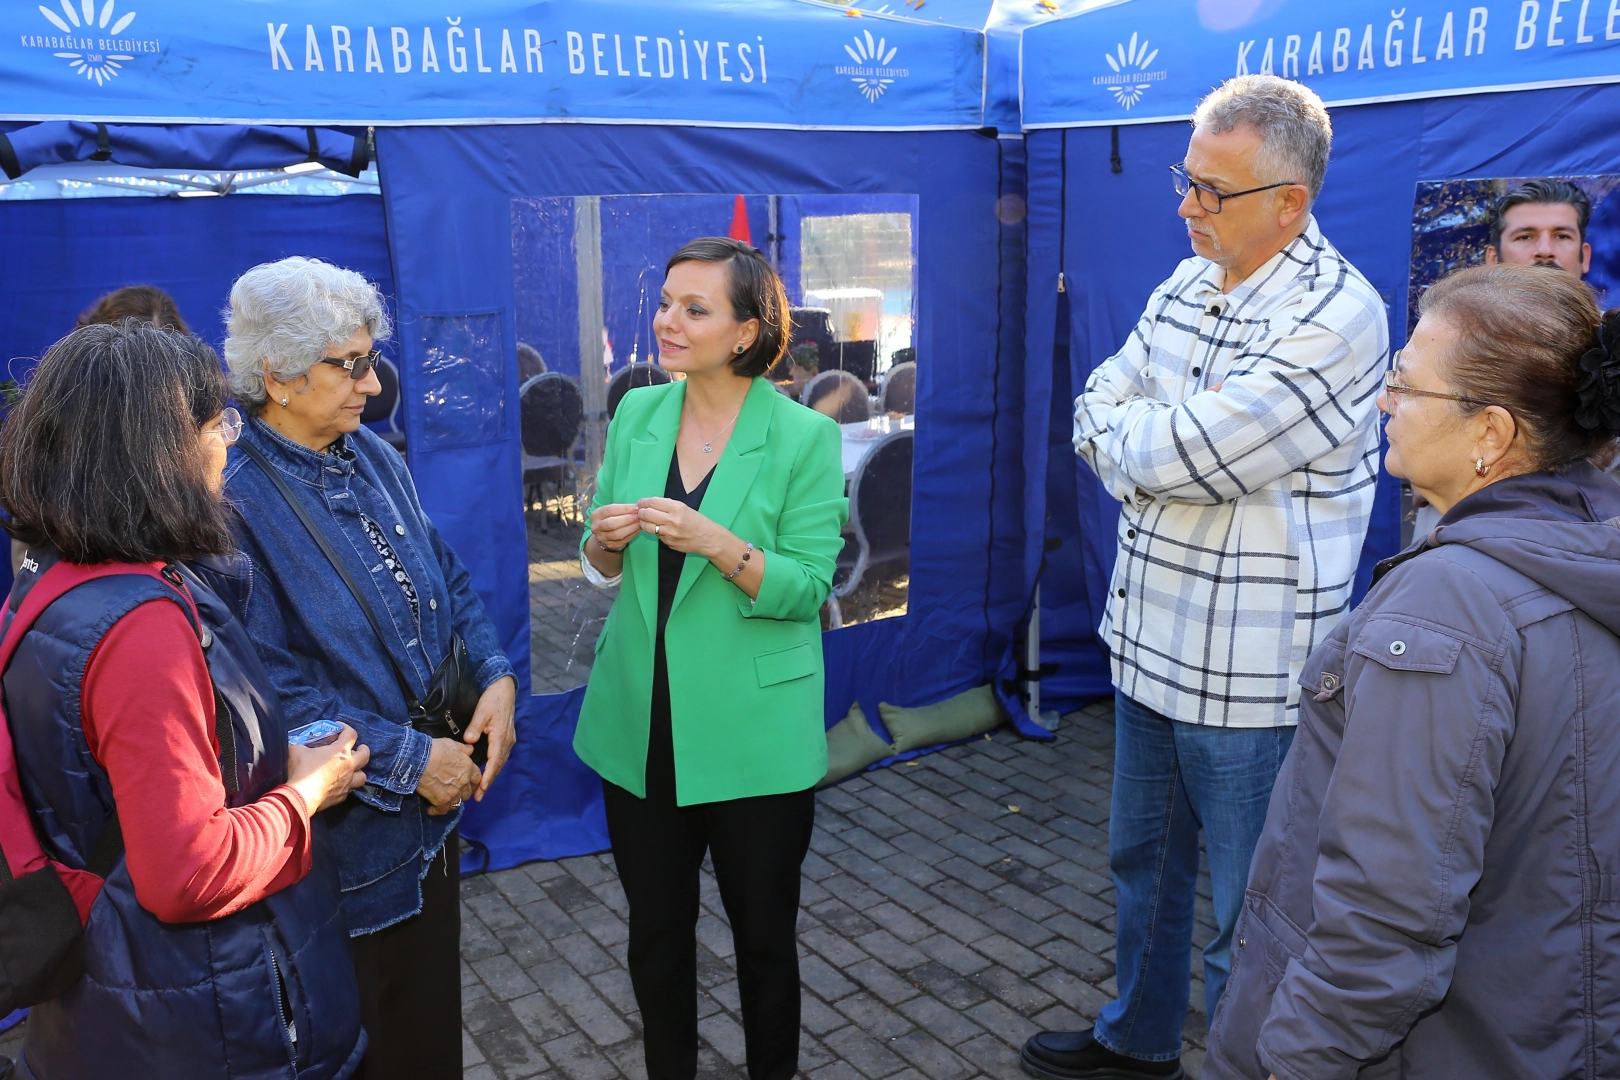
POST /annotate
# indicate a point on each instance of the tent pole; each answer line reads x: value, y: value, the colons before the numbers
x: 775, y: 238
x: 592, y: 376
x: 1032, y: 658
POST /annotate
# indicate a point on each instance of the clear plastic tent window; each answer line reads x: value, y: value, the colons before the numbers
x: 462, y: 380
x: 587, y: 274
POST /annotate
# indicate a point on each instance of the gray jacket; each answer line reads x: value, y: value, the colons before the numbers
x: 1435, y: 892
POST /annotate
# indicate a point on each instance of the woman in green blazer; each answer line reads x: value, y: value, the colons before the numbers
x: 719, y: 507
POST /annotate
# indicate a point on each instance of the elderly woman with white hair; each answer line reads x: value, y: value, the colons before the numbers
x: 364, y: 615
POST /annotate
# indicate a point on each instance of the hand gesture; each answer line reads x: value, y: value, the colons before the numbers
x: 494, y: 716
x: 450, y: 777
x: 678, y: 526
x: 615, y: 525
x: 324, y: 775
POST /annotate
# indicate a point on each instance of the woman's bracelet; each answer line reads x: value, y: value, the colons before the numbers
x: 747, y: 553
x: 604, y: 547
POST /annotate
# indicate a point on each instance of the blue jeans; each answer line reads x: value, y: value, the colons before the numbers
x: 1170, y: 780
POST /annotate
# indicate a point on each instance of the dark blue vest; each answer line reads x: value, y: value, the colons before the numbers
x: 166, y: 1000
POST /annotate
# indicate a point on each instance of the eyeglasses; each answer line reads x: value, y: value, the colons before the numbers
x: 1393, y: 386
x: 358, y: 367
x: 229, y: 429
x: 1208, y: 195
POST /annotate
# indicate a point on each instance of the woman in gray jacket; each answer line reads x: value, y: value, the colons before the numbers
x: 1435, y: 893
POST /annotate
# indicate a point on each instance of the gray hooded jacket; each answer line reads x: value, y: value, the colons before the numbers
x: 1435, y: 892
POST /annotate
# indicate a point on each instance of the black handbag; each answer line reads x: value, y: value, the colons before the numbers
x: 453, y: 695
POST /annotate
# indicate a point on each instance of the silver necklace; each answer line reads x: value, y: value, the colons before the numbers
x: 708, y: 441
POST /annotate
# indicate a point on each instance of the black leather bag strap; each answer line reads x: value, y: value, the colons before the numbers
x: 411, y: 702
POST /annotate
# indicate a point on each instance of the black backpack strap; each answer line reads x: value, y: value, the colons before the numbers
x: 412, y: 705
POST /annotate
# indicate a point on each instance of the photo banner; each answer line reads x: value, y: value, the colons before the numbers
x: 1153, y: 60
x: 777, y: 63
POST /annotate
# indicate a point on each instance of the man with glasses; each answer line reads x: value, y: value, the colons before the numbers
x: 1237, y: 427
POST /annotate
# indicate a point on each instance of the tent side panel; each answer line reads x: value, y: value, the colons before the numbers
x: 449, y: 193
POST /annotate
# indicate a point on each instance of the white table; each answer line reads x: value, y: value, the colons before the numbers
x: 861, y: 436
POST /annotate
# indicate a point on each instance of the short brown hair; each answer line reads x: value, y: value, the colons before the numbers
x: 101, y: 458
x: 756, y: 293
x: 1521, y: 334
x: 145, y: 302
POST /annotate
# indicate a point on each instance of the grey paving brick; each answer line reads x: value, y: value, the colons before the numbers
x: 539, y: 1018
x: 931, y: 1057
x: 944, y: 949
x: 881, y: 981
x: 576, y: 1058
x: 938, y: 930
x: 583, y: 954
x: 471, y: 1055
x: 815, y: 973
x: 503, y: 977
x: 1016, y: 991
x: 891, y: 950
x: 1027, y: 932
x: 947, y: 985
x: 512, y: 1054
x: 725, y: 1035
x: 1076, y: 993
x: 874, y: 1017
x: 868, y: 1056
x: 843, y: 918
x: 1004, y: 950
x: 947, y: 1024
x: 900, y: 922
x: 517, y: 887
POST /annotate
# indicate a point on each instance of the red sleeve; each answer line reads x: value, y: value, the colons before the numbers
x: 148, y: 709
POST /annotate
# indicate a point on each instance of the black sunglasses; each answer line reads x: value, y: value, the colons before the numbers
x: 358, y: 367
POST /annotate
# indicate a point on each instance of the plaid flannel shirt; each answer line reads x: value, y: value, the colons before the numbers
x: 1240, y: 432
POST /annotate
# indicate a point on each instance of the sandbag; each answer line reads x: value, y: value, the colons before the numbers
x: 852, y: 745
x: 970, y: 713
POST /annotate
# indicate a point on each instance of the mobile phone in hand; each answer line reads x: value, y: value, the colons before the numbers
x: 320, y: 733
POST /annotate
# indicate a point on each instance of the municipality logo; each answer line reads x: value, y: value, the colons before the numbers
x: 91, y: 38
x: 873, y: 72
x: 1132, y: 72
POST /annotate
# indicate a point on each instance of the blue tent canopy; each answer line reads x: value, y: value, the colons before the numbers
x: 770, y: 97
x: 1145, y: 61
x: 1105, y: 141
x: 774, y: 63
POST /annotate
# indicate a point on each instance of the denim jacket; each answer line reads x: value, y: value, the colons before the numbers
x: 325, y: 659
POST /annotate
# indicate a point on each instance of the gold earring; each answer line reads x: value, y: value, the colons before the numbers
x: 1480, y: 468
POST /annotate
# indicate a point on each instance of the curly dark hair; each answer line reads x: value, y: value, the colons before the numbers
x: 101, y: 458
x: 756, y: 293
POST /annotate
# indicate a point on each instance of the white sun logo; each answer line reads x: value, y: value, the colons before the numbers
x: 99, y: 66
x: 870, y: 57
x: 1137, y: 57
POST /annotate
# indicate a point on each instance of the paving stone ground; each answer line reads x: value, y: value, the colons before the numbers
x: 951, y: 908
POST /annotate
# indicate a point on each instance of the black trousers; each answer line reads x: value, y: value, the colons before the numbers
x: 758, y: 845
x: 410, y: 983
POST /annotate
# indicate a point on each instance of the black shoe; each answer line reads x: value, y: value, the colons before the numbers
x: 1075, y: 1055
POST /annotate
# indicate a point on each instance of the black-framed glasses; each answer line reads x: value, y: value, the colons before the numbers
x: 1208, y: 195
x: 358, y: 366
x: 229, y: 429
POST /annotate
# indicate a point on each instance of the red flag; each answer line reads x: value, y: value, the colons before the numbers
x: 739, y: 222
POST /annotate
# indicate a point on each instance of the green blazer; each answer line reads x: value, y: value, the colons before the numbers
x: 745, y: 677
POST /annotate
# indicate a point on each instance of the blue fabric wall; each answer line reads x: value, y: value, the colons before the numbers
x: 62, y: 254
x: 1123, y: 237
x: 449, y: 194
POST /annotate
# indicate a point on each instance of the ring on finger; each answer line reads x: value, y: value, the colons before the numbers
x: 657, y: 530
